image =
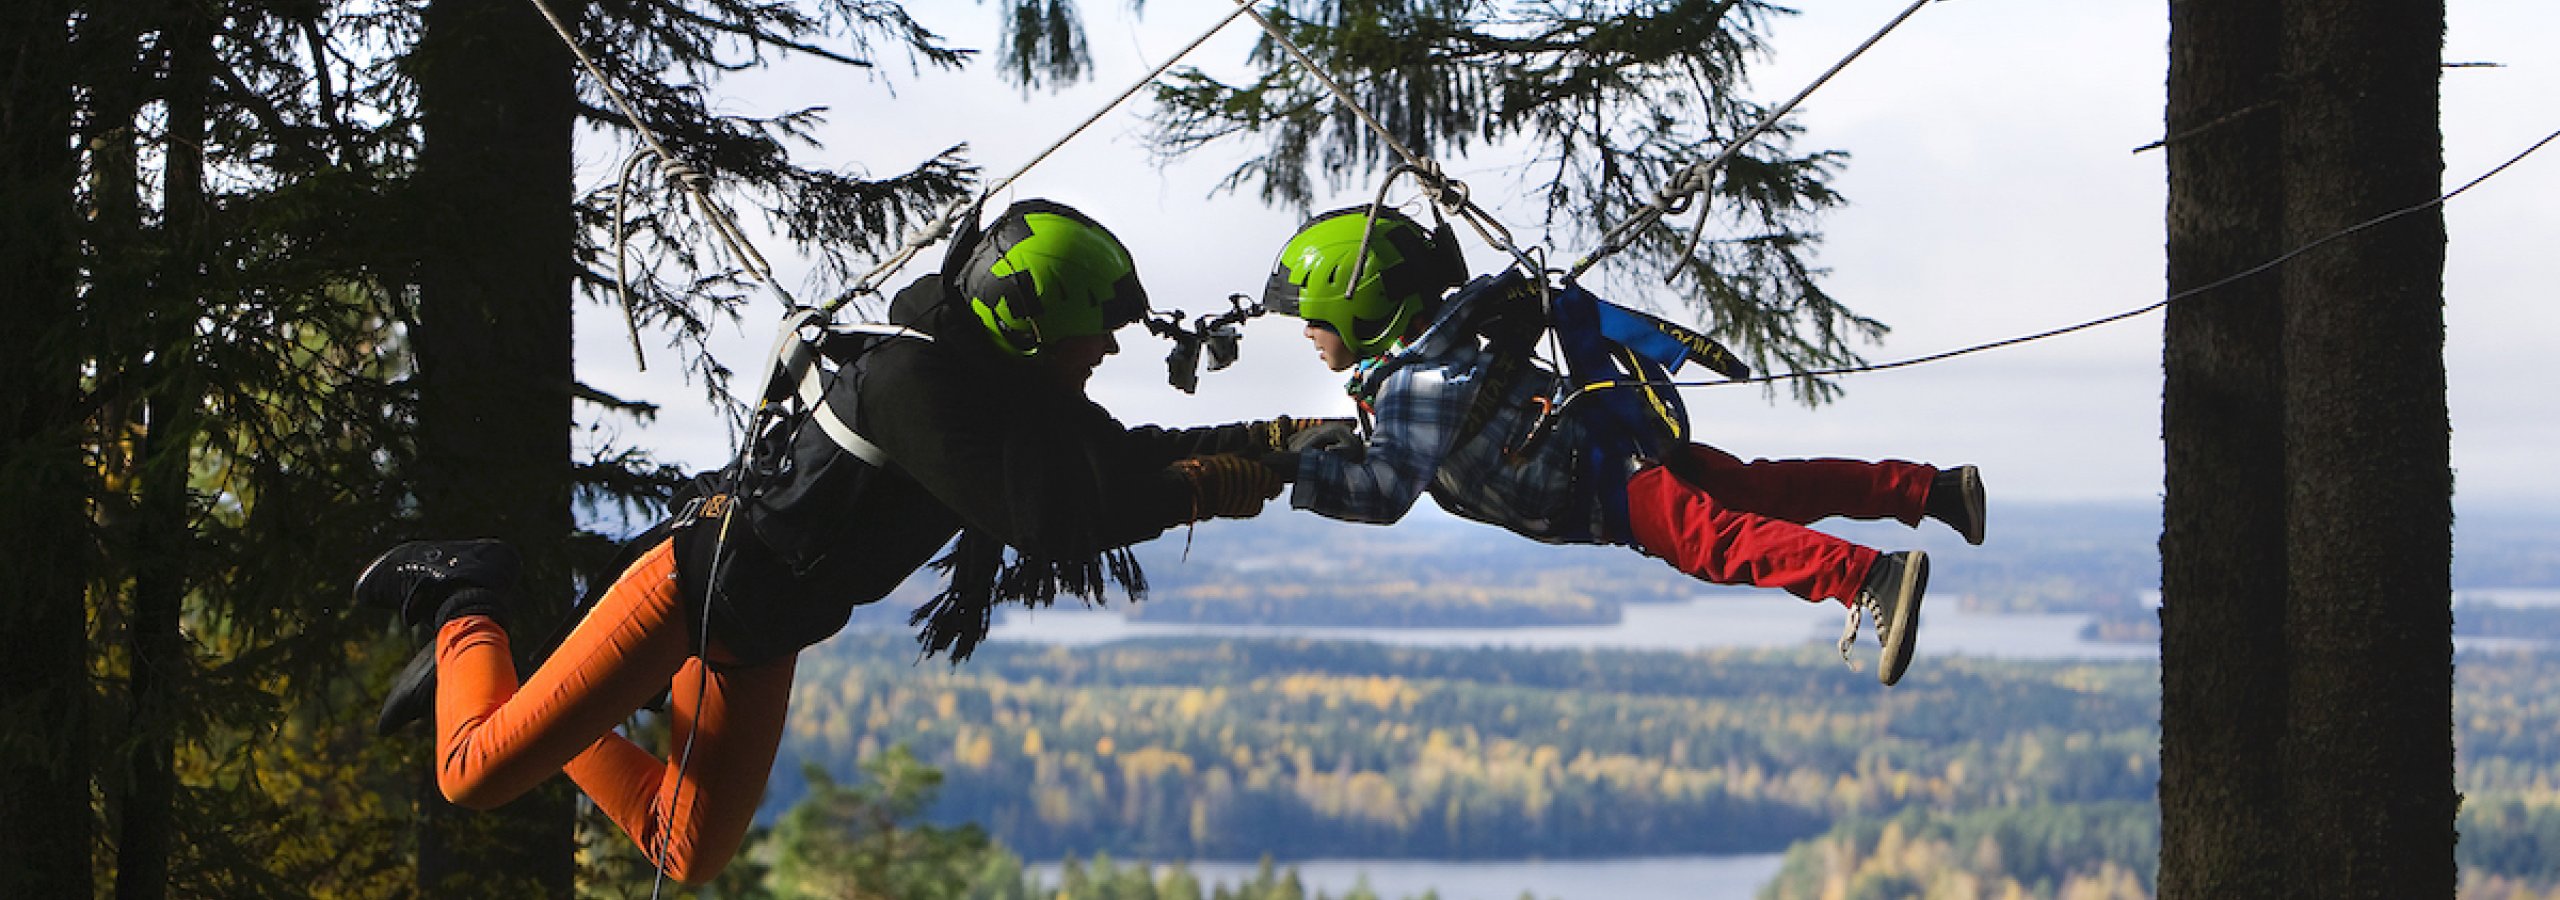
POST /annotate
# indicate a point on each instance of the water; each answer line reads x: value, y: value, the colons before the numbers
x: 2516, y: 597
x: 1716, y: 620
x: 1734, y: 877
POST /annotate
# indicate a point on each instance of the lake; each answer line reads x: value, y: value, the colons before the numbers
x: 1718, y: 619
x: 1735, y: 877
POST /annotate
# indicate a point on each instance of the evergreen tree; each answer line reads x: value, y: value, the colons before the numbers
x: 45, y: 826
x: 1614, y: 101
x: 867, y: 840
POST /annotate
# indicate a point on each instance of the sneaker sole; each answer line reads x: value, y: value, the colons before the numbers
x: 1906, y: 620
x: 1969, y: 480
x: 413, y: 693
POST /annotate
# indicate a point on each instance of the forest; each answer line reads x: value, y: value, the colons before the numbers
x: 295, y: 281
x: 1217, y: 749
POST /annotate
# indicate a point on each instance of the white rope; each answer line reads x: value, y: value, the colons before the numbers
x: 692, y: 181
x: 941, y: 225
x: 1676, y: 193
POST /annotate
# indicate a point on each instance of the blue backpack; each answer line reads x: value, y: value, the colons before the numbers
x: 1617, y: 379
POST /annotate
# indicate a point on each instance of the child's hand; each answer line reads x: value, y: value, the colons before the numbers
x: 1322, y: 434
x: 1290, y: 435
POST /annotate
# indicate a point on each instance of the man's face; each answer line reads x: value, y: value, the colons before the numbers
x: 1071, y: 360
x: 1336, y: 354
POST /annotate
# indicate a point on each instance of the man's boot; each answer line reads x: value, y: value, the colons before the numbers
x: 415, y: 579
x: 429, y: 583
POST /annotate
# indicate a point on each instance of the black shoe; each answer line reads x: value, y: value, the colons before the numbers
x: 413, y: 579
x: 413, y: 693
x: 1890, y: 597
x: 1955, y: 497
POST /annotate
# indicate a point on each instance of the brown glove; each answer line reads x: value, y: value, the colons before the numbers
x: 1227, y: 485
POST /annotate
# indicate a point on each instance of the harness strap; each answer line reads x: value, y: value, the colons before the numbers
x: 796, y: 366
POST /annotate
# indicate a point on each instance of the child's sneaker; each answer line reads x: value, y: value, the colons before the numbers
x: 1891, y: 598
x: 1955, y: 497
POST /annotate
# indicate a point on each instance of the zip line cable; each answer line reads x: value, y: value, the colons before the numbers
x: 941, y: 226
x: 2223, y: 281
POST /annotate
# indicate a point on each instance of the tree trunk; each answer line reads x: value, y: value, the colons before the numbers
x: 2306, y: 680
x: 46, y: 826
x: 2370, y: 739
x: 493, y: 343
x: 161, y: 528
x: 2222, y: 577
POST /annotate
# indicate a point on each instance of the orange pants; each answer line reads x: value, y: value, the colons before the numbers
x: 496, y: 740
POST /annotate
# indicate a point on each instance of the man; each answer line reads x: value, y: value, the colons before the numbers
x: 969, y: 418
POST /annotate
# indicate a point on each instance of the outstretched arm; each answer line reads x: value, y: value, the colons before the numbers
x: 1418, y: 413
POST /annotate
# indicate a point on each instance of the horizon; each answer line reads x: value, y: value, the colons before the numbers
x: 1983, y: 205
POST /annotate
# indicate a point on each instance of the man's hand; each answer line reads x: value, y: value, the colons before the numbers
x: 1228, y: 486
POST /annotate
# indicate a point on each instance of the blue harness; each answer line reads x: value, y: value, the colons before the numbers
x: 1617, y: 384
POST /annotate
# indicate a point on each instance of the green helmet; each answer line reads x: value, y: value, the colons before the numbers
x: 1044, y: 271
x: 1406, y: 270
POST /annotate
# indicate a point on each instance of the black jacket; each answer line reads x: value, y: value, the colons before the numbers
x: 974, y: 438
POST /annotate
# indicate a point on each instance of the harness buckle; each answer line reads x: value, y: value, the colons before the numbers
x: 700, y: 509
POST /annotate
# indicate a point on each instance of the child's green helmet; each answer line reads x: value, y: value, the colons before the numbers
x: 1406, y: 269
x: 1044, y: 271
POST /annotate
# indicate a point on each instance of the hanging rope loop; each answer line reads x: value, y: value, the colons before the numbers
x: 1681, y: 191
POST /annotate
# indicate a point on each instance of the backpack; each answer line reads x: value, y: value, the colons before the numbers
x: 1617, y: 380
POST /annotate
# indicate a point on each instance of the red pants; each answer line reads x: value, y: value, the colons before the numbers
x: 1733, y: 522
x: 496, y: 740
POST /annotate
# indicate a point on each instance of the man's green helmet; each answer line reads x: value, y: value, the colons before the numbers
x: 1044, y: 271
x: 1406, y: 269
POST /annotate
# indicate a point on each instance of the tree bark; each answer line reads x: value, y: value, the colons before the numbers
x: 2367, y: 449
x: 2307, y: 669
x: 2222, y: 554
x: 46, y: 826
x: 161, y: 529
x: 493, y: 343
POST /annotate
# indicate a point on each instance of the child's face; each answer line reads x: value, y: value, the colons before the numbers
x: 1337, y: 355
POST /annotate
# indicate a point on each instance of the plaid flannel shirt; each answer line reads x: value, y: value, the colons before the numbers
x: 1416, y: 407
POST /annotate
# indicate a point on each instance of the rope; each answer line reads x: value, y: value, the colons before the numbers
x: 941, y: 226
x: 693, y: 181
x: 2163, y: 303
x: 1437, y: 185
x: 1677, y: 193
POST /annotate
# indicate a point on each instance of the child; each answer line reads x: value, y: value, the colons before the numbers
x: 1443, y: 415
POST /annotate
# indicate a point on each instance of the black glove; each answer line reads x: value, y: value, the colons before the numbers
x: 1227, y: 485
x: 1322, y: 434
x: 1286, y: 434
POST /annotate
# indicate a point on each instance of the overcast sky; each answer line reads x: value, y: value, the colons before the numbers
x: 1993, y: 192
